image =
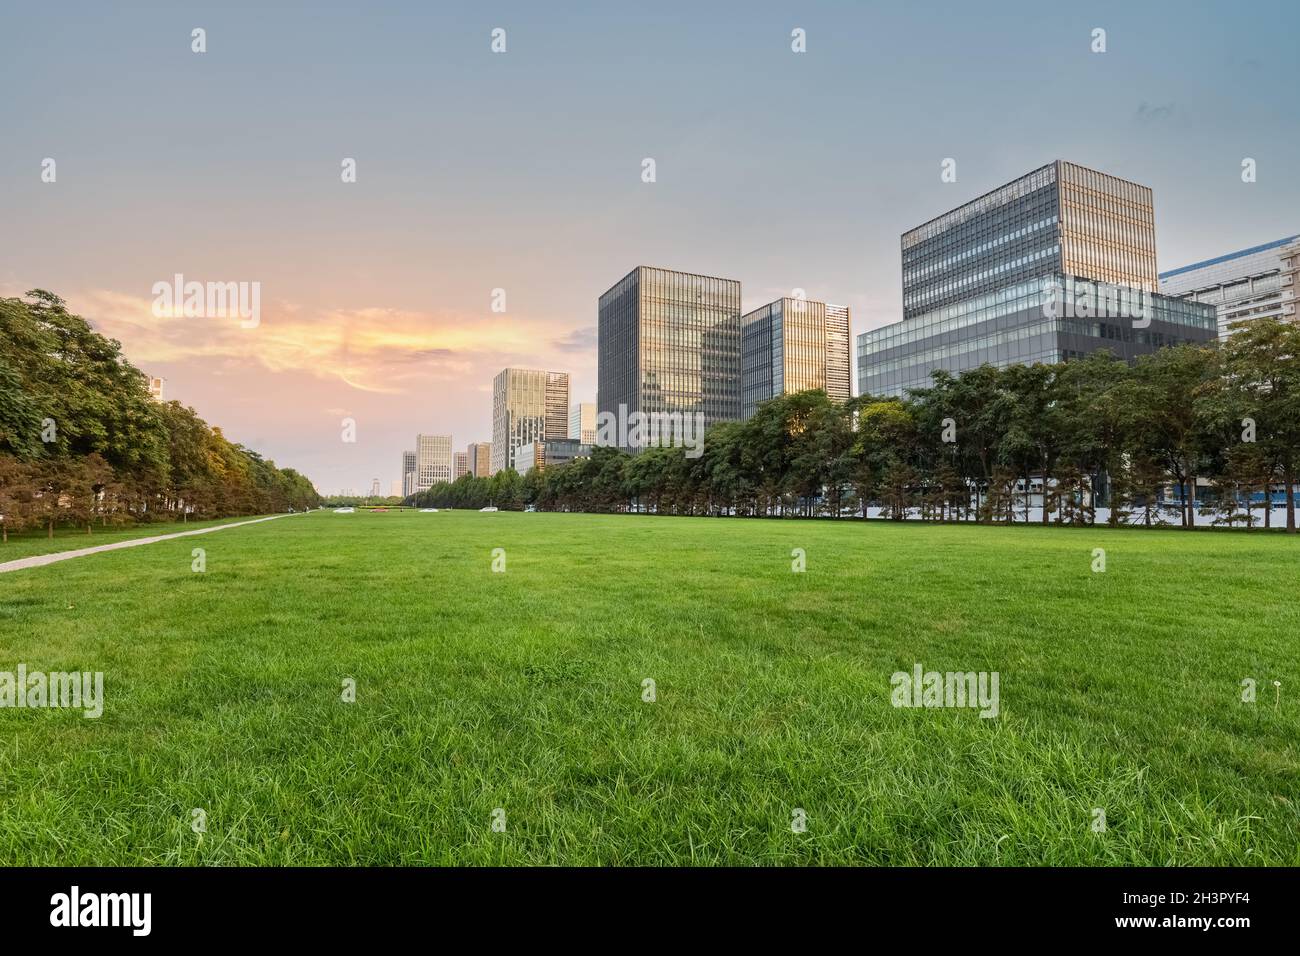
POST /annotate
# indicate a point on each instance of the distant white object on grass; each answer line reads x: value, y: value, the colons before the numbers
x: 344, y: 511
x: 489, y: 508
x: 428, y: 511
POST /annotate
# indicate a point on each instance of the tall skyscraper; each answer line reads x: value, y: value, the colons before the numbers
x: 792, y: 345
x: 1245, y: 285
x: 459, y: 464
x: 670, y: 342
x: 480, y: 459
x: 408, y: 473
x: 432, y: 460
x: 374, y: 488
x: 1055, y: 265
x: 527, y: 406
x: 582, y: 422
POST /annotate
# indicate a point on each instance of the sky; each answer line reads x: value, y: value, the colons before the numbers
x: 522, y: 171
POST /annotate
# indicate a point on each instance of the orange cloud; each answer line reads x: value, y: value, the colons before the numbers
x: 375, y: 349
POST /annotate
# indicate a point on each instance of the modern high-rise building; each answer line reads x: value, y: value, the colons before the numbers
x: 480, y: 459
x: 1245, y: 285
x: 582, y: 422
x: 527, y: 406
x: 1291, y: 280
x: 1055, y: 265
x: 459, y: 464
x: 793, y: 345
x: 670, y: 342
x: 156, y: 386
x: 408, y: 473
x: 432, y: 460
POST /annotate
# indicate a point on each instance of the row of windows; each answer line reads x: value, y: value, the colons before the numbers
x: 995, y: 273
x: 1004, y: 195
x: 935, y: 266
x: 1005, y: 346
x: 1063, y: 291
x: 939, y: 356
x: 918, y: 376
x: 1004, y: 301
x: 938, y: 285
x: 999, y: 222
x: 1240, y: 291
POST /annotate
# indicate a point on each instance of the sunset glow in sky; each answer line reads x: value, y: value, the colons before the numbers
x: 521, y: 171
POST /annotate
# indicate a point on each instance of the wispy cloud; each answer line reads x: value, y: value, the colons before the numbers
x: 1154, y: 113
x: 373, y: 349
x: 579, y: 340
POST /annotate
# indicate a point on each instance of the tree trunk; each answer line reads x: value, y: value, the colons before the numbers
x: 50, y: 530
x: 1268, y: 503
x: 1044, y: 496
x: 1290, y: 504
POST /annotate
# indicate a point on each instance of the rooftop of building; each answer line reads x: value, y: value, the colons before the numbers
x: 956, y: 213
x: 1229, y: 257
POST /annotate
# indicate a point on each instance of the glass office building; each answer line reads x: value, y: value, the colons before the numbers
x: 670, y: 342
x: 1059, y: 263
x: 1038, y: 320
x: 1061, y: 218
x: 792, y: 345
x: 1245, y: 285
x: 528, y: 405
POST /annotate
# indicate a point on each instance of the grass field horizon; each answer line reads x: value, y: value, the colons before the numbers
x: 521, y: 691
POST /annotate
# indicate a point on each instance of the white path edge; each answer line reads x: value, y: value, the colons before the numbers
x: 40, y: 559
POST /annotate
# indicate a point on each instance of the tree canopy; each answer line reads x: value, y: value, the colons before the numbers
x: 1142, y: 440
x: 83, y: 442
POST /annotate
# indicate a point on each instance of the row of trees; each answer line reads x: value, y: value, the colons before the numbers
x: 1054, y: 442
x: 83, y: 442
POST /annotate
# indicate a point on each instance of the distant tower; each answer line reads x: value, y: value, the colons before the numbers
x: 374, y: 488
x: 156, y: 387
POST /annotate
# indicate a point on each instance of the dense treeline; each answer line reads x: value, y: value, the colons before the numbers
x: 82, y: 441
x: 981, y: 446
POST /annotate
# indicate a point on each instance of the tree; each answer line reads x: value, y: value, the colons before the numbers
x: 15, y: 496
x: 1261, y: 363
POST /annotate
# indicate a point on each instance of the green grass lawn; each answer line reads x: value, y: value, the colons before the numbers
x: 27, y: 544
x: 523, y: 691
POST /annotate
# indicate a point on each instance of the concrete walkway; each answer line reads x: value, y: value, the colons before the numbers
x: 37, y: 560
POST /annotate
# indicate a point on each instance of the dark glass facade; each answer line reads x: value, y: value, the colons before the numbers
x: 1032, y: 321
x: 670, y: 342
x: 1061, y: 218
x: 979, y: 282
